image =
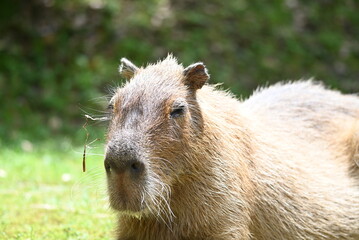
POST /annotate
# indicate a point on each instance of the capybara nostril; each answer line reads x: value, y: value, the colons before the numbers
x: 123, y: 161
x: 136, y: 167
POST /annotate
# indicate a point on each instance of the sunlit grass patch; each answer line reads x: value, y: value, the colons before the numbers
x: 45, y: 195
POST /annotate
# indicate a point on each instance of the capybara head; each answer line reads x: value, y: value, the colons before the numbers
x: 154, y: 117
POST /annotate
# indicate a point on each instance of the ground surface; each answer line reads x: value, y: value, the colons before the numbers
x: 45, y: 195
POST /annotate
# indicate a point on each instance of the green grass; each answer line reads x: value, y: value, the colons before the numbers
x: 45, y: 195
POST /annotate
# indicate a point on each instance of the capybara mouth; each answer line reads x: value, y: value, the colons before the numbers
x: 123, y: 204
x: 138, y: 198
x: 124, y: 194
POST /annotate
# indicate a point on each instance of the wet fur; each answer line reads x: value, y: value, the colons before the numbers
x: 280, y: 165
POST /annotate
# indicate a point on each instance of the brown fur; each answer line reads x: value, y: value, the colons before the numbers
x: 280, y: 165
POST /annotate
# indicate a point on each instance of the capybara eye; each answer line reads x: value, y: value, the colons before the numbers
x: 177, y: 112
x: 178, y: 108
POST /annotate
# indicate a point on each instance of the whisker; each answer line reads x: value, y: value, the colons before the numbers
x: 160, y: 200
x: 106, y: 118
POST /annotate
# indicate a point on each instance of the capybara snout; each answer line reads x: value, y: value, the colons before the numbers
x: 122, y: 163
x: 123, y: 158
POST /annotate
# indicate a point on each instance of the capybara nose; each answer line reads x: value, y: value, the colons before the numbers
x: 123, y: 162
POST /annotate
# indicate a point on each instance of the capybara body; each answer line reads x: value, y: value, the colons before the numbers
x: 185, y: 160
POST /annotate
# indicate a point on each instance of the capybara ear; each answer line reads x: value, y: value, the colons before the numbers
x: 195, y: 75
x: 127, y: 69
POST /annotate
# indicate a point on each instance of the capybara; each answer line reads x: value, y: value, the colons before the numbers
x: 185, y: 160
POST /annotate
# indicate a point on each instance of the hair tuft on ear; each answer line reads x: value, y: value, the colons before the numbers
x: 195, y: 76
x: 127, y: 69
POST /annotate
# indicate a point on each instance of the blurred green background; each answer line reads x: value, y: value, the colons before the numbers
x: 57, y: 57
x: 59, y: 60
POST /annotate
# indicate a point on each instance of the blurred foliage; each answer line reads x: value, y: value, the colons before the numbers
x: 59, y: 56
